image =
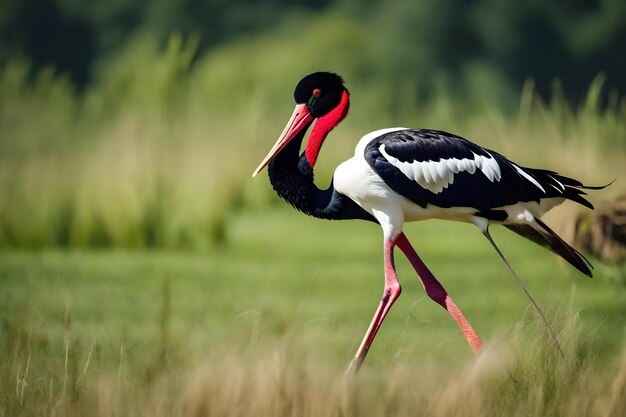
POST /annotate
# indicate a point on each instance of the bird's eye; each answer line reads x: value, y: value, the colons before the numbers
x: 314, y: 96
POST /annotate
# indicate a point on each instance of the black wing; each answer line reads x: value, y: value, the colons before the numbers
x: 445, y: 170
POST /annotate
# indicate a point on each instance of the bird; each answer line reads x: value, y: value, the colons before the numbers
x: 399, y: 175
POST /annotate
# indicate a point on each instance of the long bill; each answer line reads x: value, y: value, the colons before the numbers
x: 300, y: 118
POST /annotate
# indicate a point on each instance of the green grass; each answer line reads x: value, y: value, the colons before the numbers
x: 142, y: 271
x: 286, y: 285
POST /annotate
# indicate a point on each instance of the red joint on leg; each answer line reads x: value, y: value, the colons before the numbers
x: 392, y: 292
x: 436, y: 292
x: 395, y: 290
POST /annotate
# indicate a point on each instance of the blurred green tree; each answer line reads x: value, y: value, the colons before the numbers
x: 430, y: 45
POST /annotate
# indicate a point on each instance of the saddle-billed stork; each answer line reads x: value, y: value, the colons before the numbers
x: 398, y: 175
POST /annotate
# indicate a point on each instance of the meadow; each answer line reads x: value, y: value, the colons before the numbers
x: 143, y: 272
x: 267, y: 325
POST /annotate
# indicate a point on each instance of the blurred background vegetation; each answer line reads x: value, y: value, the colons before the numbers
x: 401, y: 40
x: 135, y: 124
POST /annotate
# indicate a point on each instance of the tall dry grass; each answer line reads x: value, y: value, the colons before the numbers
x: 521, y: 375
x: 159, y: 150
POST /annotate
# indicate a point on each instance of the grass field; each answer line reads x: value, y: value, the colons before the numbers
x: 193, y: 333
x: 144, y: 273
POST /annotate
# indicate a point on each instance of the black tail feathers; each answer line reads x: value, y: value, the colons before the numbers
x: 569, y: 188
x: 541, y: 234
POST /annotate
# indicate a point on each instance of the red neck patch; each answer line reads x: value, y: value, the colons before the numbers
x: 323, y: 126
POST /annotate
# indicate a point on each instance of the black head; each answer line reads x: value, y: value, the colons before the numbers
x: 320, y: 96
x: 321, y: 91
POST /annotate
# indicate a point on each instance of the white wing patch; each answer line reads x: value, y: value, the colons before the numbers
x: 436, y: 176
x: 531, y: 179
x: 558, y: 182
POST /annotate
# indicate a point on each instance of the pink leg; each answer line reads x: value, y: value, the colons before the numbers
x: 437, y: 293
x: 390, y: 295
